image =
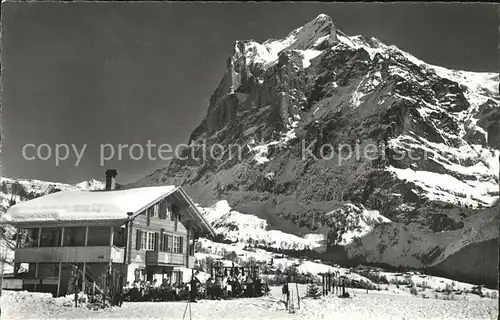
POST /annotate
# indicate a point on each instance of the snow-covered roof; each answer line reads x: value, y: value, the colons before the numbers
x: 85, y: 205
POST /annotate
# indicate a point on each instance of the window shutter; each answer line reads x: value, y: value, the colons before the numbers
x: 163, y: 213
x: 176, y: 219
x: 157, y: 238
x: 181, y: 240
x: 138, y: 240
x: 162, y: 239
x: 125, y: 237
x: 173, y: 212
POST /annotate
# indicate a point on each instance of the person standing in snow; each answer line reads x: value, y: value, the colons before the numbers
x: 285, y: 292
x: 244, y: 287
x: 194, y: 291
x: 259, y: 287
x: 229, y: 287
x: 266, y: 289
x: 218, y: 287
x: 176, y: 291
x: 142, y: 288
x: 250, y: 286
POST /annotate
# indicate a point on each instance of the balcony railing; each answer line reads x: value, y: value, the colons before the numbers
x: 70, y: 254
x: 165, y: 258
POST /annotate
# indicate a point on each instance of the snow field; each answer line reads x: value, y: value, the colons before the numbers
x: 374, y: 305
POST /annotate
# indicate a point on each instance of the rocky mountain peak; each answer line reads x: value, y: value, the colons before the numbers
x: 435, y: 131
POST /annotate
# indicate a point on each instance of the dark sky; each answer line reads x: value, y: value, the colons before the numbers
x: 123, y: 73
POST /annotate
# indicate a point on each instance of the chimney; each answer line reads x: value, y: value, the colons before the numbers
x: 111, y: 179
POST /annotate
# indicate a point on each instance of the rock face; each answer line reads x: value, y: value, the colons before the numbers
x: 309, y: 123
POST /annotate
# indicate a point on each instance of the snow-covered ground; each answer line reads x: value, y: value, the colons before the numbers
x: 361, y: 305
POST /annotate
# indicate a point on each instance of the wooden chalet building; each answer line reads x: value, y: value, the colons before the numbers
x: 143, y: 234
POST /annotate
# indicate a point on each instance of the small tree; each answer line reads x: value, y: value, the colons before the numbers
x: 232, y: 256
x: 279, y: 267
x: 313, y: 290
x: 209, y: 261
x: 291, y: 272
x: 250, y: 262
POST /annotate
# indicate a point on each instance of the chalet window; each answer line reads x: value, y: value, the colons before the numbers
x: 190, y: 243
x: 148, y: 241
x: 139, y: 274
x: 164, y: 211
x: 99, y: 236
x: 163, y: 242
x: 161, y: 210
x: 153, y: 211
x: 119, y: 237
x: 50, y: 237
x: 25, y: 270
x: 168, y: 212
x: 179, y: 277
x: 167, y: 243
x: 177, y: 247
x: 144, y: 240
x: 170, y: 244
x: 156, y: 210
x: 74, y: 236
x: 28, y: 238
x: 138, y: 238
x: 48, y: 270
x: 173, y: 212
x: 151, y: 241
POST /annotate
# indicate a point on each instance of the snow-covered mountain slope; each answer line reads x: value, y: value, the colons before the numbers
x: 429, y: 140
x: 397, y: 245
x: 249, y: 229
x: 91, y: 184
x: 350, y: 221
x: 25, y: 189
